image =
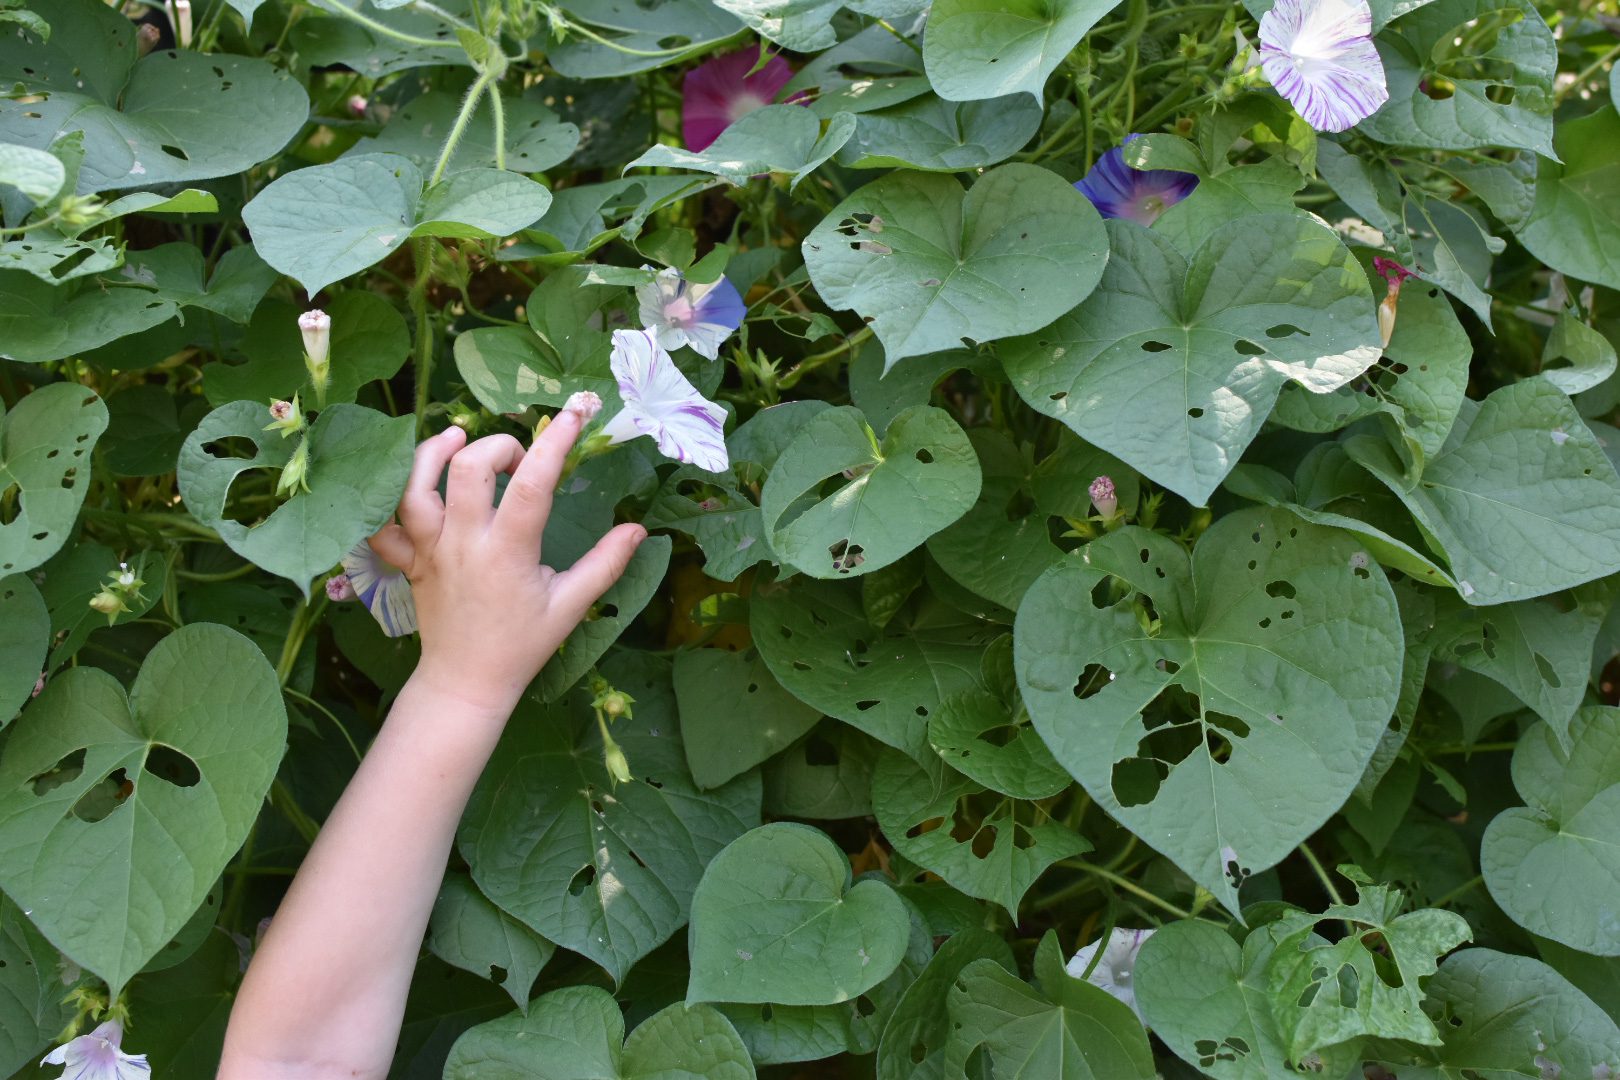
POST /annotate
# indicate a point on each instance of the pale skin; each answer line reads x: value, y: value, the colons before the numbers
x: 325, y: 993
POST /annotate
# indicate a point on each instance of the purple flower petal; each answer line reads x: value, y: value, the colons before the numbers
x: 719, y: 90
x: 1319, y: 55
x: 681, y: 313
x: 97, y: 1056
x: 1116, y: 969
x: 383, y: 588
x: 659, y: 402
x: 1119, y: 191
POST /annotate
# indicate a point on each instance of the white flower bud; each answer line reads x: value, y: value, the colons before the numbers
x: 316, y: 326
x: 1103, y: 496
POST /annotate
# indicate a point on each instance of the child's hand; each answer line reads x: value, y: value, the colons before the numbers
x: 490, y: 614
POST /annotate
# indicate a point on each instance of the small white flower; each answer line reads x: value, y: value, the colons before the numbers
x: 1115, y: 970
x: 97, y: 1056
x: 316, y: 326
x: 681, y: 313
x: 340, y: 589
x: 1319, y: 55
x: 382, y: 587
x: 659, y: 402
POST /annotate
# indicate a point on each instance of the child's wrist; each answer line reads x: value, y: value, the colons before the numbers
x: 456, y: 688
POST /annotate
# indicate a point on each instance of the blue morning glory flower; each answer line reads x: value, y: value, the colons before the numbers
x: 383, y: 588
x: 682, y: 313
x: 1119, y: 191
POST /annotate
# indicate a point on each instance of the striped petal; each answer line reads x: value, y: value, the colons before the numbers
x: 660, y: 403
x: 681, y: 313
x: 1319, y: 55
x: 383, y: 588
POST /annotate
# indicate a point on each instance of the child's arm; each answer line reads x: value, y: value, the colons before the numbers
x: 325, y: 994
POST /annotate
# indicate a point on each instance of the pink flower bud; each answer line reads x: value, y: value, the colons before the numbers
x: 339, y: 588
x: 286, y: 417
x: 1386, y: 316
x: 280, y: 410
x: 584, y: 404
x: 316, y: 327
x: 39, y: 685
x: 1391, y: 271
x: 1103, y: 496
x: 358, y: 106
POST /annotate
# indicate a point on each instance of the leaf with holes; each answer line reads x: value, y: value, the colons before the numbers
x: 536, y: 139
x: 326, y: 41
x: 712, y: 511
x: 32, y: 1005
x: 975, y: 49
x: 358, y: 462
x: 369, y: 341
x: 641, y: 36
x: 468, y: 931
x: 922, y: 477
x: 991, y: 742
x: 1235, y: 695
x: 914, y: 1042
x: 1066, y: 1029
x: 25, y: 630
x: 773, y: 139
x: 1554, y: 865
x: 1569, y: 226
x: 554, y: 843
x: 40, y: 322
x: 1494, y: 91
x: 607, y: 619
x: 734, y: 714
x: 1206, y: 997
x: 55, y: 259
x: 824, y: 776
x: 1510, y: 1016
x: 1367, y: 983
x: 928, y: 265
x: 815, y: 639
x: 118, y: 811
x: 777, y: 1034
x: 45, y: 444
x: 936, y: 135
x: 1420, y: 380
x: 775, y: 919
x: 577, y: 1033
x: 1550, y: 523
x: 985, y: 844
x: 165, y: 118
x: 1174, y: 362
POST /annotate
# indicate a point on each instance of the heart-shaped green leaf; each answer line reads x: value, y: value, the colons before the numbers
x: 1553, y: 865
x: 369, y: 342
x: 32, y: 1008
x: 467, y: 930
x: 118, y: 812
x: 1569, y: 226
x: 1219, y: 706
x: 45, y: 444
x: 25, y: 630
x: 609, y: 617
x: 913, y: 1046
x: 989, y: 48
x: 928, y: 265
x: 734, y: 714
x: 40, y: 322
x: 775, y: 920
x: 923, y: 476
x: 936, y: 135
x: 536, y: 139
x: 1174, y: 362
x: 639, y: 35
x: 773, y: 139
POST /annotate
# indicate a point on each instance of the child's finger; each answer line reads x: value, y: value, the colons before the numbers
x: 582, y: 584
x: 527, y: 502
x: 421, y: 511
x: 469, y: 502
x: 394, y: 546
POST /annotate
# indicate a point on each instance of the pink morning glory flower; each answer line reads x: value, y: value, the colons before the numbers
x: 659, y: 402
x: 383, y: 588
x: 1115, y: 970
x: 97, y: 1056
x: 681, y: 313
x: 1393, y: 274
x: 1319, y: 55
x: 1119, y: 191
x: 719, y: 90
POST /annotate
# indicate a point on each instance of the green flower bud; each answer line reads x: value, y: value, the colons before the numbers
x: 295, y: 474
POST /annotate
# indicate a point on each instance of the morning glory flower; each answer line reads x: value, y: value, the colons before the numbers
x: 1114, y: 971
x: 682, y: 313
x: 382, y: 587
x: 1319, y: 55
x: 1103, y: 496
x: 719, y: 90
x: 1119, y: 191
x: 97, y: 1056
x: 1393, y: 274
x: 659, y: 402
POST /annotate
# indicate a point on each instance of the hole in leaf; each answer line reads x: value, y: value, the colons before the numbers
x: 497, y: 974
x: 1091, y: 680
x: 1135, y: 781
x: 918, y: 1053
x: 1548, y: 675
x: 175, y: 152
x: 231, y: 446
x: 1245, y: 347
x: 1282, y: 330
x: 167, y: 763
x: 865, y: 1006
x: 1280, y: 590
x: 1000, y: 735
x: 1195, y: 413
x: 65, y: 770
x: 101, y: 799
x: 10, y: 504
x: 1155, y: 346
x: 925, y: 457
x: 581, y: 880
x: 1349, y: 986
x: 869, y: 703
x: 820, y: 752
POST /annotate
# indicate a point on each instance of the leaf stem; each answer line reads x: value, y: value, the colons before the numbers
x: 1467, y: 886
x: 1587, y: 72
x: 1321, y: 873
x: 422, y: 249
x: 497, y: 109
x: 469, y: 106
x: 816, y: 360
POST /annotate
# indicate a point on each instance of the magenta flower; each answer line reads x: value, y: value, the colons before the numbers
x: 1319, y: 54
x: 719, y: 90
x: 659, y: 402
x: 97, y: 1056
x: 1119, y: 191
x: 681, y: 313
x: 383, y: 588
x: 1393, y: 274
x: 1117, y: 968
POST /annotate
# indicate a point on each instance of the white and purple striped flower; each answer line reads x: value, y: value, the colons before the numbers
x: 682, y: 313
x: 97, y: 1056
x: 1319, y: 55
x: 383, y: 588
x: 1115, y: 971
x: 661, y: 403
x: 1119, y: 191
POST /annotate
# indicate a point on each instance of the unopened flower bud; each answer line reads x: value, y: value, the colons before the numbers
x: 1393, y: 274
x: 1103, y: 496
x: 584, y: 404
x: 286, y: 417
x: 316, y: 327
x: 79, y: 210
x: 618, y: 766
x: 295, y: 474
x: 339, y: 588
x: 358, y: 106
x: 109, y: 603
x: 39, y: 685
x: 146, y: 38
x: 616, y: 704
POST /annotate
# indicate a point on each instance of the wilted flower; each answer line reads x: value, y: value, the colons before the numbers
x: 382, y: 587
x: 1319, y: 55
x: 1114, y: 972
x: 1119, y: 191
x: 286, y: 417
x: 1393, y: 274
x: 719, y: 90
x: 339, y: 588
x: 295, y: 474
x: 97, y: 1056
x: 584, y: 404
x: 316, y: 327
x: 682, y: 313
x: 1103, y: 496
x: 659, y: 402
